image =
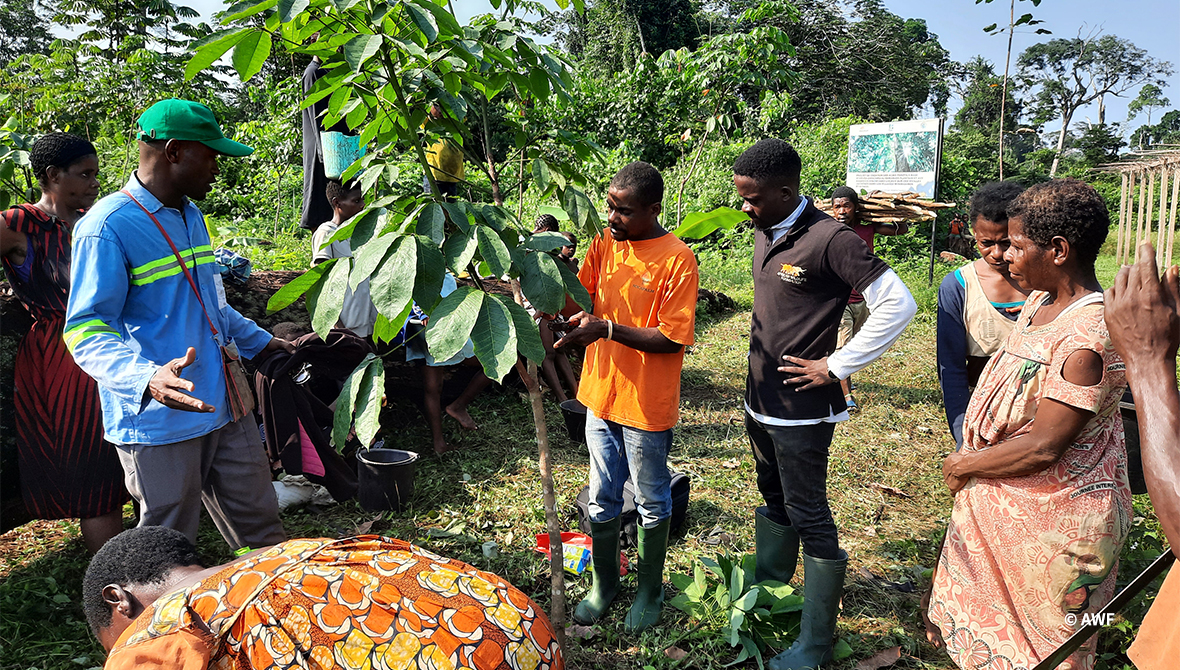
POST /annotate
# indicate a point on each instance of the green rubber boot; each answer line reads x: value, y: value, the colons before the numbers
x: 823, y: 583
x: 649, y: 597
x: 604, y: 558
x: 776, y: 548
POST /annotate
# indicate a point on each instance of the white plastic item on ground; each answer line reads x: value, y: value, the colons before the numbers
x: 295, y: 491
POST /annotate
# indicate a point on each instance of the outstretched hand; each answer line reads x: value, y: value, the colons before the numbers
x: 172, y: 391
x: 1141, y: 310
x: 811, y: 374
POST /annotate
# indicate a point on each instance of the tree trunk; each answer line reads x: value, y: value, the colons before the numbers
x: 1066, y: 117
x: 1004, y: 89
x: 552, y: 524
x: 1102, y: 110
x: 545, y: 463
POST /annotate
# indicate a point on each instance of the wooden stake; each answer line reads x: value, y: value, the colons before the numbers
x: 1139, y: 230
x: 1159, y: 236
x: 1172, y: 222
x: 1149, y: 210
x: 1130, y: 217
x: 1118, y: 254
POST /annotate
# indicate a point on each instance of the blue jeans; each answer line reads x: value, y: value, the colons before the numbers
x: 618, y: 452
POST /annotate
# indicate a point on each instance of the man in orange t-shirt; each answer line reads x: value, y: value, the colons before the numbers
x: 643, y: 282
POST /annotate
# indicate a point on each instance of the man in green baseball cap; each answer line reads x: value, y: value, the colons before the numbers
x: 175, y: 119
x: 150, y: 323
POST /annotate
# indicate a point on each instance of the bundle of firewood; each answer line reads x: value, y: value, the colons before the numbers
x: 881, y: 207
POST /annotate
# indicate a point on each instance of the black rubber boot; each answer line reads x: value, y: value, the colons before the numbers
x: 649, y: 597
x: 776, y: 548
x: 823, y: 584
x: 604, y: 558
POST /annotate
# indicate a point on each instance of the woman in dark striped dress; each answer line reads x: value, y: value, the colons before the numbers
x: 67, y: 469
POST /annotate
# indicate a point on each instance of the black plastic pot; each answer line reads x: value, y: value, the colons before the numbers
x: 386, y: 478
x: 575, y: 419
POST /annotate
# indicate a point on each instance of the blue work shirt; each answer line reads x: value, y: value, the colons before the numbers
x: 131, y: 311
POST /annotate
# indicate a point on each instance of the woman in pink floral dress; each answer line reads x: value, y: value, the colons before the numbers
x: 1042, y: 502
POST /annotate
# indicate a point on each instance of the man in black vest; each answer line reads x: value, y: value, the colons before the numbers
x: 805, y: 266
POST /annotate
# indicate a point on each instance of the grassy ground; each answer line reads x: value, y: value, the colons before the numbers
x: 490, y: 486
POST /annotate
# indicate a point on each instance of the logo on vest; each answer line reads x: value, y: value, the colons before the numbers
x: 791, y: 273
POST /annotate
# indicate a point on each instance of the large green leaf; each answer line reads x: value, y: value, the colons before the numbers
x: 431, y: 270
x: 459, y: 215
x: 424, y: 20
x: 493, y: 250
x: 459, y: 249
x: 360, y: 49
x: 528, y: 338
x: 289, y: 9
x: 541, y: 174
x: 699, y: 224
x: 392, y: 286
x: 208, y: 53
x: 451, y: 322
x: 384, y: 330
x: 546, y: 241
x: 251, y: 53
x: 342, y: 418
x: 581, y: 210
x: 574, y: 287
x: 245, y: 9
x: 494, y: 216
x: 494, y: 337
x: 364, y: 227
x: 541, y: 282
x: 297, y: 287
x: 431, y: 221
x: 325, y: 300
x: 367, y: 413
x: 367, y: 259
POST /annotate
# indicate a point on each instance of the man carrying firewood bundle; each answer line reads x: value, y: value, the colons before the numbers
x: 806, y: 265
x: 844, y: 209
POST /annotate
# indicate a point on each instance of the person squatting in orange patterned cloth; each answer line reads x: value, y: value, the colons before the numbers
x: 365, y: 601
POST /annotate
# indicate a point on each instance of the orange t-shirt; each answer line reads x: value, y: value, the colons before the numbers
x: 1157, y: 646
x: 645, y: 284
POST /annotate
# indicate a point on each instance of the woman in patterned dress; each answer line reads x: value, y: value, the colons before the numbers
x: 67, y: 470
x: 1042, y: 501
x: 363, y: 602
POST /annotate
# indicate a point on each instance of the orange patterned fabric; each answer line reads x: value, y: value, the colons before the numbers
x: 1024, y: 557
x: 364, y: 603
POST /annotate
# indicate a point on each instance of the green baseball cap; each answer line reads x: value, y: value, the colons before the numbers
x: 187, y: 120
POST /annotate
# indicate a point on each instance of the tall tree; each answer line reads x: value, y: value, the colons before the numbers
x: 120, y: 27
x: 985, y: 102
x: 1150, y: 97
x: 23, y: 30
x: 611, y: 34
x: 1024, y: 20
x: 874, y: 64
x: 1068, y: 74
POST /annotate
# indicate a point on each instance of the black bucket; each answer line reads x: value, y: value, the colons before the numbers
x: 386, y: 478
x: 575, y: 419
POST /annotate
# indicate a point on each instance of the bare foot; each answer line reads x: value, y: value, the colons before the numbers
x: 461, y: 415
x: 441, y: 447
x: 933, y: 634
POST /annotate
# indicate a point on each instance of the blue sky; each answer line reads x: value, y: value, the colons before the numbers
x: 1153, y: 25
